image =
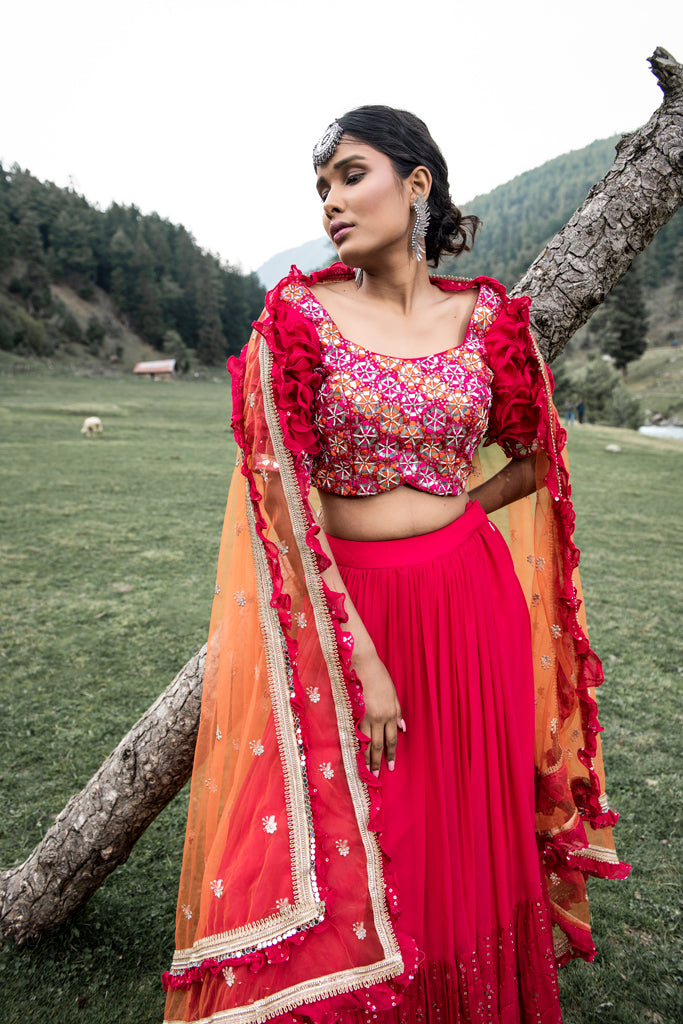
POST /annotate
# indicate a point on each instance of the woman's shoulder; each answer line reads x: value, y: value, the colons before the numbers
x: 337, y: 277
x: 331, y: 276
x: 452, y: 282
x: 506, y: 309
x: 324, y: 288
x: 307, y: 292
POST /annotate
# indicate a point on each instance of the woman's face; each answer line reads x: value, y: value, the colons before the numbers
x: 366, y: 206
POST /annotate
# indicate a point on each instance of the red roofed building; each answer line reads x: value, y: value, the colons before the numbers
x: 156, y: 369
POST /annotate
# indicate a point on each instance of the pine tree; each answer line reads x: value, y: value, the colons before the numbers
x: 211, y: 344
x: 625, y: 337
x: 7, y: 243
x: 71, y: 248
x: 120, y: 258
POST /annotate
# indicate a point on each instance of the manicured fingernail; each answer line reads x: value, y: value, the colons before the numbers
x: 391, y: 765
x: 402, y: 724
x: 375, y: 772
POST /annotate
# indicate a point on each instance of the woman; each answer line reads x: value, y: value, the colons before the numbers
x: 361, y: 839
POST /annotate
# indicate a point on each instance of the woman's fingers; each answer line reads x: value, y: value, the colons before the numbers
x: 390, y: 739
x: 365, y: 727
x: 383, y: 741
x: 381, y: 726
x: 376, y: 748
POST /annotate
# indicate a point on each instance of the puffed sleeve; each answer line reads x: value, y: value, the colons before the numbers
x: 521, y: 385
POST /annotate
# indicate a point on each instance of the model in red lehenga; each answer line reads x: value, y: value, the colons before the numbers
x: 397, y: 791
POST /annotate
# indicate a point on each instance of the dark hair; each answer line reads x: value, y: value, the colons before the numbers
x: 405, y: 139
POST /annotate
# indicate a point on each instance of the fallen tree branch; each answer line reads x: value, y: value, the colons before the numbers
x: 100, y: 825
x: 619, y: 218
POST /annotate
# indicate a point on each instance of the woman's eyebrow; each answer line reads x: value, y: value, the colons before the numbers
x: 347, y: 160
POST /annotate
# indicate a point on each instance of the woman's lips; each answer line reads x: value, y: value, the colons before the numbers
x: 339, y: 232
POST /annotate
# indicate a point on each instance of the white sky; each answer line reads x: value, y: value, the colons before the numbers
x: 207, y: 111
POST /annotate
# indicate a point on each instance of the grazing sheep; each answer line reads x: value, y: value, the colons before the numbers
x: 92, y: 427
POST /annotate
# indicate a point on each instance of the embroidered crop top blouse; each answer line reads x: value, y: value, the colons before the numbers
x: 383, y: 421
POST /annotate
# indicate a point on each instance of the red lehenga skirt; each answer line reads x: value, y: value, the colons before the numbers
x: 448, y: 618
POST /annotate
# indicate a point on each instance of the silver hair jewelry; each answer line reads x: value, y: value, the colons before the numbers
x: 420, y: 227
x: 359, y: 276
x: 327, y: 143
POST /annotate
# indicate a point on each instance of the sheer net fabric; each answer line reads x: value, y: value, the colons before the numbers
x: 280, y: 851
x: 288, y: 904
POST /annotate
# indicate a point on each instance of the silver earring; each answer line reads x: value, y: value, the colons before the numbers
x: 359, y: 277
x: 420, y: 227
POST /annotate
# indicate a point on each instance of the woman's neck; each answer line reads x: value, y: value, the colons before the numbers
x: 401, y: 285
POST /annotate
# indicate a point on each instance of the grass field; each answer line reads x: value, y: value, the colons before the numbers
x: 107, y: 552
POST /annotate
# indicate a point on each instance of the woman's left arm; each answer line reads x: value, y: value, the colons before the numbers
x: 514, y: 481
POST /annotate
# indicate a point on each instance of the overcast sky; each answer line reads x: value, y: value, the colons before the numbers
x: 207, y: 110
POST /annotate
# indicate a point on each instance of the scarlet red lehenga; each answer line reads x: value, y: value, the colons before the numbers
x: 449, y: 889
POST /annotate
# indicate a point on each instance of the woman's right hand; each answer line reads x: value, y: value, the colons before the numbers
x: 383, y: 719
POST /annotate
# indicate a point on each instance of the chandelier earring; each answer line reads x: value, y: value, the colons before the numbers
x: 420, y: 227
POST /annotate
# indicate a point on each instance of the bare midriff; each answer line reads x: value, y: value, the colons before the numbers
x: 389, y: 515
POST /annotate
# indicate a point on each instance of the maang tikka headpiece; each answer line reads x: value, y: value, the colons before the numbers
x: 327, y: 143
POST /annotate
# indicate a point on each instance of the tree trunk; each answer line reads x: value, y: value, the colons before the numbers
x: 98, y: 828
x: 619, y: 218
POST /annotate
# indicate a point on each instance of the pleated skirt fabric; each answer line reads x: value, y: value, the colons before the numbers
x: 448, y: 619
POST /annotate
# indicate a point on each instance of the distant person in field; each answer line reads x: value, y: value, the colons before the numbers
x: 581, y: 411
x: 388, y: 715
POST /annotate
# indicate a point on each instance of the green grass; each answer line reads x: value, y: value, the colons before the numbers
x: 628, y: 506
x: 107, y: 555
x: 655, y: 380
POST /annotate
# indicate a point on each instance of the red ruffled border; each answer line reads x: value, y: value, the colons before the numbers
x: 510, y: 346
x: 512, y: 353
x: 297, y: 363
x: 522, y: 418
x: 515, y: 421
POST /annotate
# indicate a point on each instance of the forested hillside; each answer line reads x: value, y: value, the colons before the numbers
x: 129, y: 270
x: 644, y: 311
x: 73, y: 276
x: 522, y: 215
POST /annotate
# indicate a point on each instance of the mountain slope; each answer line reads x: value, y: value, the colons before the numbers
x: 307, y: 257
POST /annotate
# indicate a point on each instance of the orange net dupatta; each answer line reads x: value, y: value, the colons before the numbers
x: 286, y: 897
x: 287, y: 902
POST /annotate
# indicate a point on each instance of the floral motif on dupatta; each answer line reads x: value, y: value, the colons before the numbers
x: 287, y: 899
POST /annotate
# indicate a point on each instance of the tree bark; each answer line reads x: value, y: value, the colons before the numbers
x: 99, y: 826
x: 619, y: 218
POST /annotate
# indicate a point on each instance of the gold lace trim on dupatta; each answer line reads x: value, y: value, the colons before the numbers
x: 345, y: 722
